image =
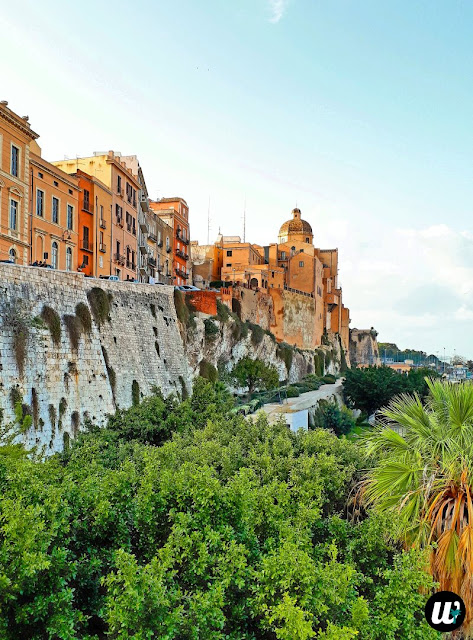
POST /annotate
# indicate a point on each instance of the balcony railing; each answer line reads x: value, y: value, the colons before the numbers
x: 153, y: 237
x: 120, y: 221
x: 118, y: 257
x: 86, y: 206
x: 151, y: 261
x: 102, y: 224
x: 103, y: 247
x: 168, y: 249
x: 143, y: 247
x: 144, y: 202
x: 85, y: 245
x: 160, y: 243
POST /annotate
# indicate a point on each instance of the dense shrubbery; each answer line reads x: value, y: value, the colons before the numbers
x: 371, y: 388
x: 183, y: 521
x: 330, y: 416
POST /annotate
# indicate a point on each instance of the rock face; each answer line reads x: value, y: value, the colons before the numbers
x: 364, y: 347
x: 113, y: 341
x: 225, y: 348
x: 138, y: 343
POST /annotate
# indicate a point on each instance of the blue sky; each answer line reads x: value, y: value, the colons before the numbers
x: 358, y: 111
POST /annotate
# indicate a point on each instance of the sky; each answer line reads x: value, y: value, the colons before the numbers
x: 358, y: 112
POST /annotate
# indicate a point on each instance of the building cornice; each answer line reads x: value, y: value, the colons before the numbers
x: 54, y: 171
x: 18, y: 122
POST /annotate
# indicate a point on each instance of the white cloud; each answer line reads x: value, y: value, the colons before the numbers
x: 278, y: 8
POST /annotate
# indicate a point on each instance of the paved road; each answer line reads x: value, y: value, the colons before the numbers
x: 304, y: 401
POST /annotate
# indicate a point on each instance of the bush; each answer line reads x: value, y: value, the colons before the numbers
x: 292, y: 392
x: 16, y: 320
x: 319, y: 363
x: 257, y: 333
x: 135, y: 393
x: 223, y: 312
x: 328, y: 378
x: 208, y: 371
x: 210, y: 328
x: 185, y: 310
x: 328, y: 415
x: 99, y: 302
x: 285, y: 352
x: 83, y: 313
x: 51, y: 318
x: 216, y: 284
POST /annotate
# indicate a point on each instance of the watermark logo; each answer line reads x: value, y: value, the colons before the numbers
x: 445, y: 611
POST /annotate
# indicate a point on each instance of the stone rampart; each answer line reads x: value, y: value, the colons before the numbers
x: 63, y: 384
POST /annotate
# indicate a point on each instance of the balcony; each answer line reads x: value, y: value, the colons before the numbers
x: 160, y: 243
x: 153, y: 237
x: 151, y: 261
x: 168, y: 249
x: 102, y: 224
x: 332, y: 298
x: 128, y: 227
x: 86, y: 206
x: 144, y: 226
x: 119, y: 258
x: 120, y: 221
x: 120, y: 192
x: 103, y: 248
x: 143, y: 268
x: 144, y: 202
x: 159, y: 268
x: 143, y: 247
x: 186, y: 241
x: 85, y: 245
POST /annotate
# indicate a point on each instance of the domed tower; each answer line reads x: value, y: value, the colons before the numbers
x: 296, y: 230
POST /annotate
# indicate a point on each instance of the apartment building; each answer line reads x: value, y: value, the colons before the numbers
x: 16, y: 136
x: 175, y: 213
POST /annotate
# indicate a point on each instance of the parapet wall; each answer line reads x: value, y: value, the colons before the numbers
x: 61, y: 386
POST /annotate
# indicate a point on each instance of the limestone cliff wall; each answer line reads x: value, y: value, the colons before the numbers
x: 63, y: 386
x: 364, y: 347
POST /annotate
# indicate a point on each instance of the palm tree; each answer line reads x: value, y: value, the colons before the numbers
x: 424, y: 475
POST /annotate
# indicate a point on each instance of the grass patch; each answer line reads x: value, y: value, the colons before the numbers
x: 15, y: 396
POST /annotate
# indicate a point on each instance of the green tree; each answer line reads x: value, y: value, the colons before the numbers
x: 424, y: 477
x: 255, y: 374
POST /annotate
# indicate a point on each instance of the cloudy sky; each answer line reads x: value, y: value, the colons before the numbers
x: 358, y: 111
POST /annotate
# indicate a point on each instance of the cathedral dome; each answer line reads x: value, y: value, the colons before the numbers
x: 296, y: 225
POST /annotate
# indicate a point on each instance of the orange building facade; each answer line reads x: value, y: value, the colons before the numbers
x: 16, y: 136
x: 54, y: 207
x: 175, y: 213
x: 124, y: 188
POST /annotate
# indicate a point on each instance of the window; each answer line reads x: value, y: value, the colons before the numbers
x: 54, y: 255
x: 12, y: 255
x: 15, y: 161
x: 119, y: 184
x: 85, y: 260
x: 229, y: 253
x: 301, y: 263
x: 39, y: 202
x: 70, y: 215
x: 56, y: 183
x: 228, y: 265
x: 55, y: 216
x: 85, y: 238
x: 307, y: 240
x: 40, y: 175
x: 69, y: 259
x: 14, y: 214
x: 71, y: 192
x: 283, y: 255
x: 86, y: 200
x: 167, y: 242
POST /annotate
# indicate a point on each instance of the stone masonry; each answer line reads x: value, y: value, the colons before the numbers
x: 63, y: 387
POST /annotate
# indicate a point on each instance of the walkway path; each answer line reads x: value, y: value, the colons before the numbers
x: 307, y: 400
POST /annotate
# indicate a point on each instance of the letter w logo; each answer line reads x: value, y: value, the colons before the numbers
x: 445, y: 618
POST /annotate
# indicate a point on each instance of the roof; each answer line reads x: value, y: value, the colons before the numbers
x: 176, y: 199
x: 296, y: 225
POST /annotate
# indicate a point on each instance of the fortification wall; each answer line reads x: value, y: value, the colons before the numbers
x: 364, y: 347
x: 62, y: 386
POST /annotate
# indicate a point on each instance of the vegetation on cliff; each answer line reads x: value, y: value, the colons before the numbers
x: 182, y: 520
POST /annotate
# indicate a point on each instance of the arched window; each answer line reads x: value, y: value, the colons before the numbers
x: 12, y: 254
x: 54, y: 255
x: 69, y: 259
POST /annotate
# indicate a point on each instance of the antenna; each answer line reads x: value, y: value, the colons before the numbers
x: 208, y: 223
x: 244, y: 221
